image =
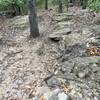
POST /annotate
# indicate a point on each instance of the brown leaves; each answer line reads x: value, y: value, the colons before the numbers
x: 66, y: 89
x: 42, y: 98
x: 93, y: 51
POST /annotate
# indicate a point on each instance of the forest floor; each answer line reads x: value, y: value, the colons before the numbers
x: 64, y: 59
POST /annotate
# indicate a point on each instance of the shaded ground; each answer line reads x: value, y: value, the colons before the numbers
x: 60, y: 58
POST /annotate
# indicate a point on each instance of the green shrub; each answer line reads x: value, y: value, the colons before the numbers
x: 94, y: 5
x: 7, y: 5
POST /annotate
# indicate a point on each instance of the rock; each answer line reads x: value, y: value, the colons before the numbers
x: 58, y: 35
x: 85, y: 60
x: 70, y: 5
x: 81, y: 74
x: 63, y: 96
x: 35, y: 98
x: 60, y: 96
x: 53, y: 82
x: 64, y: 31
x: 63, y: 17
x: 56, y: 94
x: 66, y: 67
x: 52, y: 95
x: 72, y: 39
x: 95, y: 98
x: 83, y: 11
x: 42, y: 90
x: 55, y: 37
x: 73, y: 51
x: 66, y: 23
x: 61, y: 25
x: 19, y: 22
x: 96, y: 29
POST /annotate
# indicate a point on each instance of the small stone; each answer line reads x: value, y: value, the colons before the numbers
x: 52, y: 95
x: 63, y: 96
x: 81, y: 74
x: 53, y: 82
x: 63, y: 69
x: 34, y: 98
x: 96, y: 98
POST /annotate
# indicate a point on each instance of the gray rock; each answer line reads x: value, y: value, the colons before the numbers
x: 63, y: 17
x: 86, y: 60
x: 60, y: 96
x: 81, y: 74
x: 64, y: 31
x: 56, y: 94
x: 51, y: 95
x: 55, y: 37
x: 35, y: 98
x: 54, y: 97
x: 96, y: 29
x: 61, y: 25
x: 63, y: 96
x: 53, y: 82
x: 96, y: 98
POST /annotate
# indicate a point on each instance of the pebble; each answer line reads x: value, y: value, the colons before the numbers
x: 81, y: 74
x: 63, y: 96
x: 53, y: 82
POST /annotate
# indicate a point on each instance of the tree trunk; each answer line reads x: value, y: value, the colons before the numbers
x: 34, y: 31
x: 46, y: 4
x: 84, y: 4
x: 60, y: 9
x: 71, y: 1
x: 67, y: 4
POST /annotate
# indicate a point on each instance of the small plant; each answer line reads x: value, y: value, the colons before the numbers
x: 94, y: 5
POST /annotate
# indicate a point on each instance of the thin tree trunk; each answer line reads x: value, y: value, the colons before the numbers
x: 60, y: 9
x: 46, y: 4
x: 84, y: 4
x: 34, y: 31
x: 67, y: 4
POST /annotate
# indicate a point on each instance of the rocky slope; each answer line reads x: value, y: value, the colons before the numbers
x: 62, y: 64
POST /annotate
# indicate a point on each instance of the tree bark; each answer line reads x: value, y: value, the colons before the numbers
x: 60, y: 9
x: 34, y: 31
x: 84, y: 4
x: 46, y: 4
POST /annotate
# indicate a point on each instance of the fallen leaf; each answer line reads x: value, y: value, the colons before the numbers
x: 42, y: 98
x: 93, y: 51
x: 66, y: 89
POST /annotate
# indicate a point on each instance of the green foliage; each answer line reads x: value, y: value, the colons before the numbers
x: 94, y: 5
x: 40, y: 2
x: 7, y: 4
x: 56, y: 2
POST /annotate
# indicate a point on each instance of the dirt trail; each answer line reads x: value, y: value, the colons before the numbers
x: 24, y: 63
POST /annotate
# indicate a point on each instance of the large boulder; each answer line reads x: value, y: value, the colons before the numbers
x: 57, y: 35
x: 63, y: 17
